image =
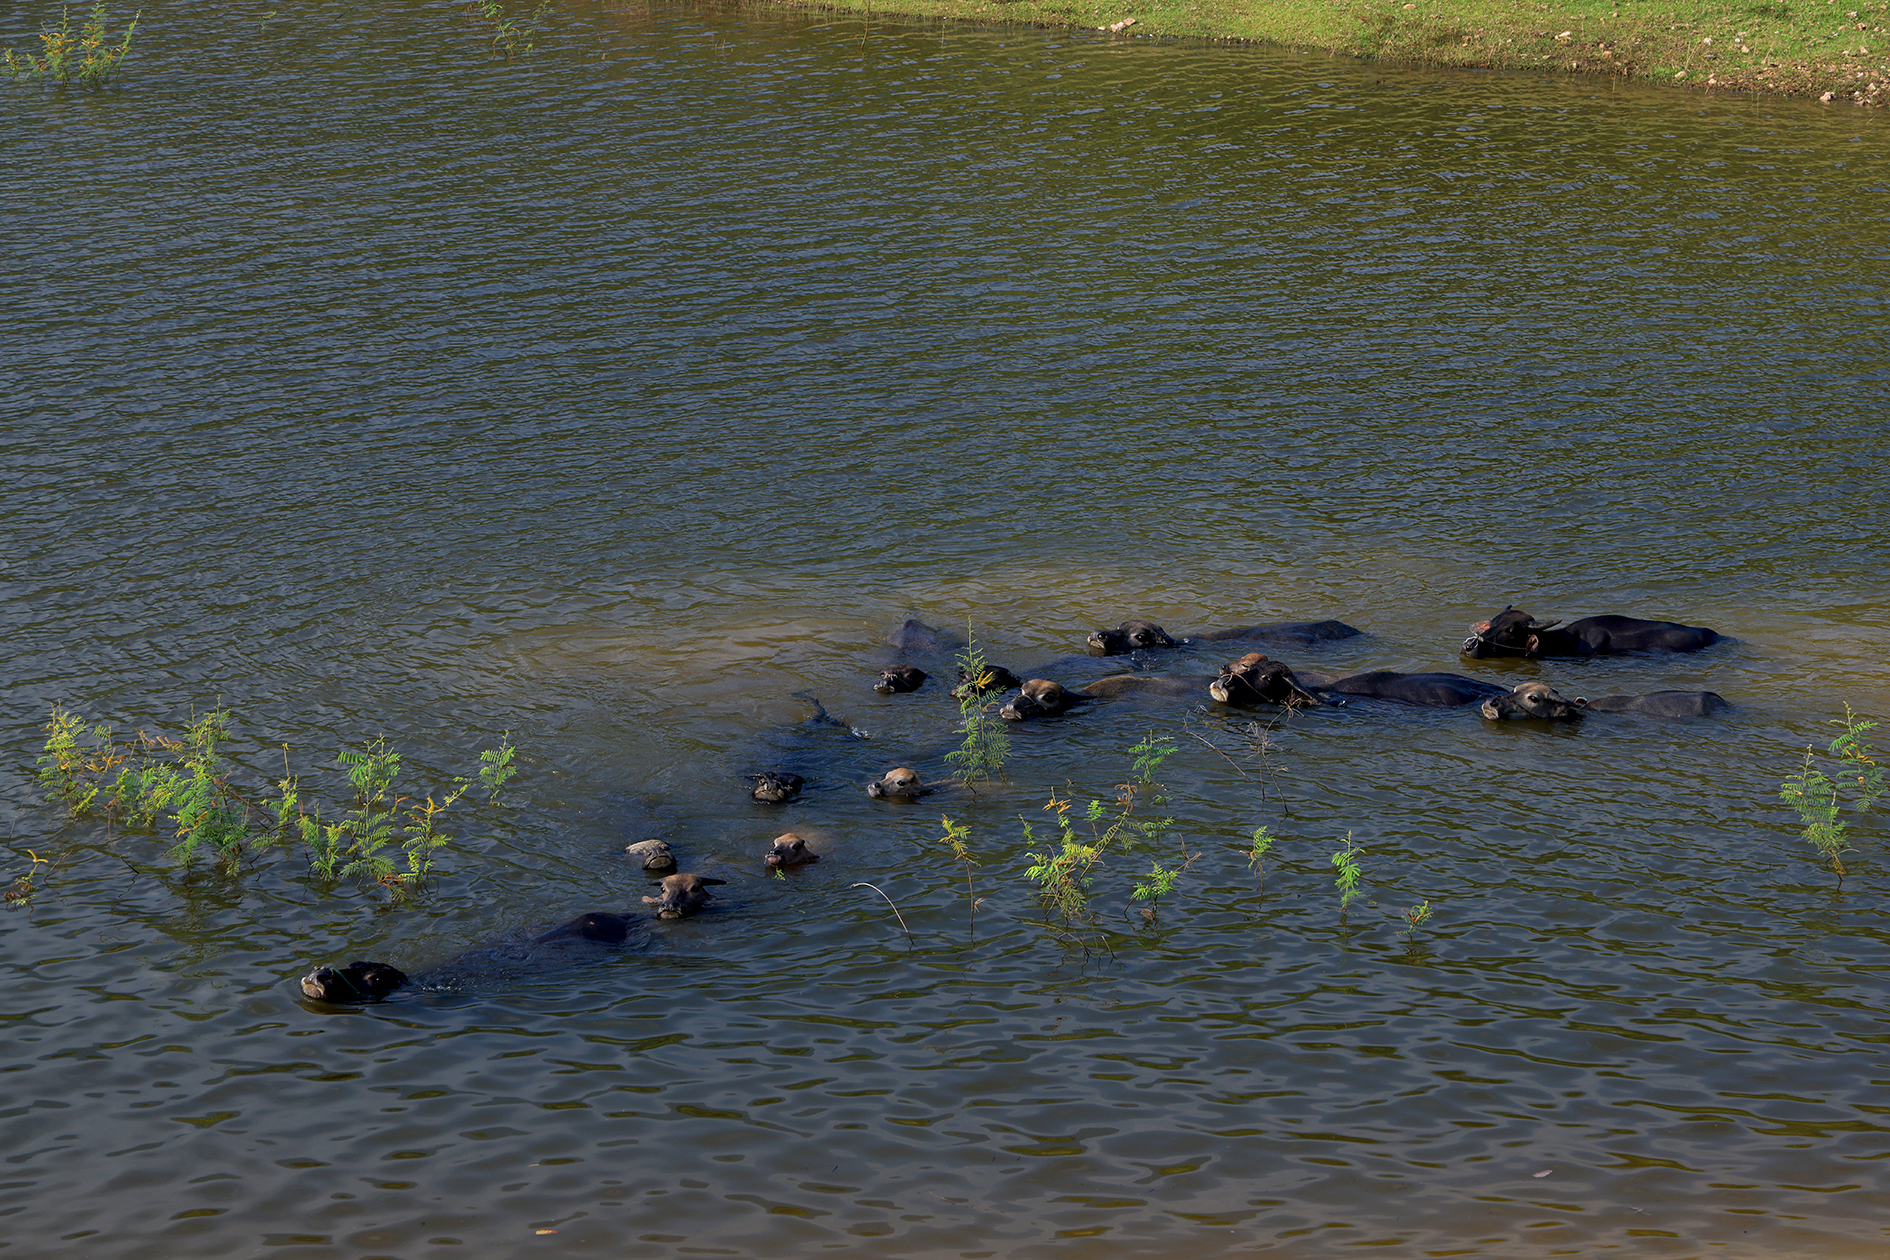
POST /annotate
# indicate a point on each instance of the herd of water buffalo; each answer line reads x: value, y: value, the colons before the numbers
x: 1252, y: 679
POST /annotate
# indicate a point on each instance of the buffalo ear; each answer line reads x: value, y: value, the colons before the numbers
x: 1490, y: 710
x: 714, y: 881
x: 654, y: 901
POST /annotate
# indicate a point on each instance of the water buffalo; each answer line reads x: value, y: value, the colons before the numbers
x: 362, y: 981
x: 776, y: 787
x: 681, y: 895
x: 1130, y: 636
x: 1118, y: 685
x: 789, y: 850
x: 994, y: 678
x: 1134, y: 636
x: 901, y: 783
x: 900, y: 679
x: 653, y: 855
x: 1041, y: 698
x: 1513, y: 632
x: 1441, y: 691
x: 1299, y: 633
x: 1667, y: 704
x: 1256, y: 679
x: 915, y: 638
x: 1532, y: 700
x: 359, y: 981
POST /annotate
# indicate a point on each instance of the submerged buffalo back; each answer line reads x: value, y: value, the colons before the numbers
x: 1439, y: 691
x: 1672, y: 704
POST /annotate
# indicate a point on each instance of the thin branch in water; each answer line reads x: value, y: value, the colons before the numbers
x: 895, y: 909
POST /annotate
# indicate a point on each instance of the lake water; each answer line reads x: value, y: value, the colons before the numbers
x: 611, y: 397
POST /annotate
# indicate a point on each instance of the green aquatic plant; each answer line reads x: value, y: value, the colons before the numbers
x: 1064, y: 874
x: 508, y: 35
x: 1416, y: 917
x: 88, y: 58
x: 957, y: 839
x: 495, y: 766
x: 979, y: 757
x: 190, y: 783
x: 1256, y: 856
x: 1349, y: 873
x: 1819, y: 799
x: 69, y: 770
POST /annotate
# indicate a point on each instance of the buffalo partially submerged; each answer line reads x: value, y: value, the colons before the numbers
x: 1438, y: 691
x: 1297, y: 633
x: 359, y: 981
x: 899, y: 679
x: 1533, y: 700
x: 776, y: 787
x: 362, y: 981
x: 653, y: 855
x: 789, y: 850
x: 1130, y: 636
x: 679, y: 895
x: 1257, y: 679
x: 1667, y: 704
x: 901, y: 783
x: 1041, y: 698
x: 1513, y: 632
x: 993, y: 678
x: 1139, y: 636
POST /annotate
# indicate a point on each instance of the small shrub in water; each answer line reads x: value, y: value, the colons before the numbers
x: 85, y: 58
x: 957, y: 838
x: 1256, y: 856
x: 980, y: 757
x: 1349, y: 872
x: 1819, y: 799
x: 495, y: 766
x: 188, y: 782
x: 1416, y: 917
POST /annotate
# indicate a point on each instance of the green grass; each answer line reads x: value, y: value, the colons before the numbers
x: 1797, y: 47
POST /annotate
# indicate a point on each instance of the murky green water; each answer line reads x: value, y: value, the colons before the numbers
x: 612, y: 397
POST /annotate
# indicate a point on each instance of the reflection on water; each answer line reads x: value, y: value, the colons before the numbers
x: 616, y: 396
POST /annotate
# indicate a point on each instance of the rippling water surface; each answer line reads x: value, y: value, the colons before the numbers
x: 611, y: 397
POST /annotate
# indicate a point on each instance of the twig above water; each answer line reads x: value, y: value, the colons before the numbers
x: 895, y: 909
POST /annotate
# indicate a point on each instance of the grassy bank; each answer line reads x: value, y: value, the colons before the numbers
x: 1796, y: 47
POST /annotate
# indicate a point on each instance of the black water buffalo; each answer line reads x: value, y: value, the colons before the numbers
x: 362, y: 981
x: 359, y: 981
x: 1257, y: 679
x: 1513, y: 632
x: 993, y: 678
x: 899, y: 679
x: 1299, y: 633
x: 1136, y: 636
x: 1041, y: 698
x: 776, y: 787
x: 1438, y: 691
x: 915, y: 638
x: 1668, y: 704
x: 1117, y: 686
x: 1130, y: 636
x: 1533, y: 700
